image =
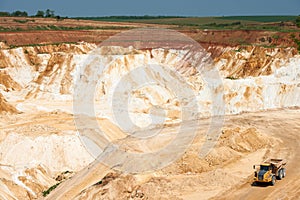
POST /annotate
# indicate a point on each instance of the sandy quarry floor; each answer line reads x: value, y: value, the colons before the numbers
x: 284, y: 125
x: 226, y: 173
x: 230, y: 179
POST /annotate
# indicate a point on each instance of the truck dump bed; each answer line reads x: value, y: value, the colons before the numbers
x: 276, y: 162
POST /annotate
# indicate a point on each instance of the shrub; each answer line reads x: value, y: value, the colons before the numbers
x: 46, y: 192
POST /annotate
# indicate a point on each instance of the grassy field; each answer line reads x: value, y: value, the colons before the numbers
x: 272, y: 23
x: 262, y: 18
x: 267, y: 23
x: 276, y: 30
x: 178, y: 20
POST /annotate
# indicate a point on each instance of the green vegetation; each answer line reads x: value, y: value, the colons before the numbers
x: 297, y: 41
x: 265, y: 23
x: 4, y: 14
x: 40, y: 13
x: 14, y: 14
x: 222, y: 25
x: 298, y: 21
x: 261, y: 18
x: 169, y: 20
x: 46, y: 192
x: 276, y: 37
x: 39, y: 45
x: 57, y: 28
x: 238, y: 50
x: 5, y: 29
x: 19, y: 14
x: 268, y: 23
x: 180, y: 20
x: 231, y: 78
x: 268, y: 46
x: 127, y: 18
x: 24, y: 21
x: 49, y: 13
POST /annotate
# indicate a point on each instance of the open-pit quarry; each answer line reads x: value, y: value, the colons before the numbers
x: 41, y: 147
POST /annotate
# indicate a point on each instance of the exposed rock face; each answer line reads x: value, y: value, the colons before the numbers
x: 254, y: 79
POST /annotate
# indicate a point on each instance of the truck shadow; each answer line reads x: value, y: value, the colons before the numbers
x: 254, y: 184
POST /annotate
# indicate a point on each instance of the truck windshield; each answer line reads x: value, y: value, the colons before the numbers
x: 264, y: 168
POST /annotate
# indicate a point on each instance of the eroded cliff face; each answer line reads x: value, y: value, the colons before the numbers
x: 254, y: 78
x: 42, y: 78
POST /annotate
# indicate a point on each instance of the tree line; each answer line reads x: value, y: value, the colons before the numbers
x: 39, y: 13
x: 298, y: 21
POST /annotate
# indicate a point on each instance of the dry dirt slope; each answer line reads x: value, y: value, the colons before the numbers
x: 223, y: 179
x: 245, y: 141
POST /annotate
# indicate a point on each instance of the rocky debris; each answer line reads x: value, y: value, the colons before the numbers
x: 64, y: 175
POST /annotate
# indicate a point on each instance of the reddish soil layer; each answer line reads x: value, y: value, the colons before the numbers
x: 206, y: 38
x: 103, y: 30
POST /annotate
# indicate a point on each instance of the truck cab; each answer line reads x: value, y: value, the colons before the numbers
x: 269, y: 171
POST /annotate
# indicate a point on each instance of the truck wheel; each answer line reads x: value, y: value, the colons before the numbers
x: 280, y: 174
x: 273, y: 180
x: 283, y: 172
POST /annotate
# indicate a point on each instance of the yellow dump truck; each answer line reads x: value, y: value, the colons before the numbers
x: 269, y: 171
